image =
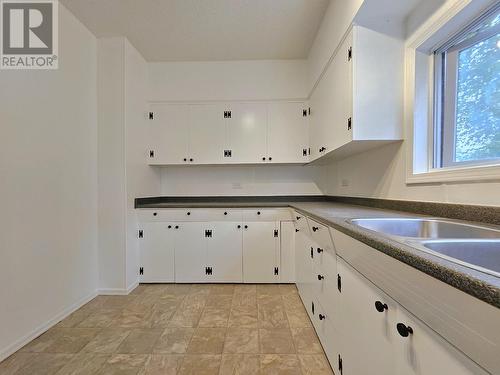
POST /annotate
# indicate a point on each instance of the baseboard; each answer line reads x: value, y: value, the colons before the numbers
x: 11, y: 349
x: 118, y: 291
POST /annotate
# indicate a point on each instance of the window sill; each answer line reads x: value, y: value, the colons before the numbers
x: 463, y: 174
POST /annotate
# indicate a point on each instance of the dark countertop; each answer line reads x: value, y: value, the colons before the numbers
x: 334, y: 214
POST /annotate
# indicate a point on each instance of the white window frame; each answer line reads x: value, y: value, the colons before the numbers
x: 452, y: 17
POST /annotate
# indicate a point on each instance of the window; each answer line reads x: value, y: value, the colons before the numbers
x: 467, y: 95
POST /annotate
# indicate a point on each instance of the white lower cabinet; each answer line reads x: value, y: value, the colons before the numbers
x: 157, y: 253
x: 190, y: 252
x: 224, y: 252
x: 261, y: 252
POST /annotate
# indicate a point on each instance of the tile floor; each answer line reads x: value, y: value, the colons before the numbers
x: 180, y: 329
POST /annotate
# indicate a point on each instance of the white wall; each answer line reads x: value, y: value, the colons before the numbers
x: 243, y: 180
x: 228, y: 80
x: 123, y: 172
x: 48, y: 189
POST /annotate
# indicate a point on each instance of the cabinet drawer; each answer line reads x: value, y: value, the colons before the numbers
x: 267, y: 214
x: 300, y: 222
x: 187, y: 214
x: 320, y: 233
x: 325, y: 284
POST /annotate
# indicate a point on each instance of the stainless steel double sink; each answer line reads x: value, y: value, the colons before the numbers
x: 473, y: 246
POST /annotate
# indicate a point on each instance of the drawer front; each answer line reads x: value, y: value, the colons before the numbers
x: 189, y: 214
x: 325, y: 285
x: 267, y: 214
x: 300, y: 222
x: 320, y: 233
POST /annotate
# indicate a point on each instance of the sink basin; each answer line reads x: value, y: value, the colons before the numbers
x: 483, y: 255
x: 426, y: 228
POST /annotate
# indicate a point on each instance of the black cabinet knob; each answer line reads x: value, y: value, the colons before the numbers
x: 404, y: 330
x: 155, y: 213
x: 297, y: 217
x: 169, y: 227
x: 190, y: 159
x: 258, y: 212
x: 270, y: 158
x: 176, y: 227
x: 188, y: 213
x: 246, y: 226
x: 239, y: 226
x: 381, y: 307
x: 225, y: 213
x: 321, y: 317
x: 296, y: 230
x: 320, y: 277
x: 185, y: 159
x: 315, y: 229
x: 319, y: 250
x: 264, y: 158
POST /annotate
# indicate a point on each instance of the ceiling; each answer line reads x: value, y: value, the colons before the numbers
x: 204, y: 30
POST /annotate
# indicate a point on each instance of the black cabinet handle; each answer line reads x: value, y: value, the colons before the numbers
x: 381, y: 307
x: 270, y: 158
x: 319, y: 250
x: 315, y: 229
x: 320, y: 277
x: 225, y: 213
x: 258, y: 212
x: 246, y: 226
x: 191, y: 159
x: 185, y: 159
x: 188, y: 213
x: 404, y: 330
x: 155, y: 213
x: 296, y: 230
x: 263, y: 158
x: 297, y: 217
x: 176, y: 227
x: 321, y: 317
x: 169, y: 227
x: 239, y: 226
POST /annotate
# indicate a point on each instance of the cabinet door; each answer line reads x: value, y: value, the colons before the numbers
x: 303, y: 264
x: 207, y: 134
x: 224, y: 252
x: 287, y: 252
x: 169, y: 132
x: 425, y: 352
x: 190, y: 252
x: 247, y: 133
x: 287, y: 135
x: 260, y: 252
x: 364, y: 329
x: 157, y: 253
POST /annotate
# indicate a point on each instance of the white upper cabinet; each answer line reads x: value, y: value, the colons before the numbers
x: 207, y: 134
x: 247, y: 132
x: 169, y: 134
x: 287, y: 133
x: 357, y: 104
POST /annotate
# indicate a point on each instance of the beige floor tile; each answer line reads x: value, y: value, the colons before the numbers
x: 118, y: 302
x: 139, y: 341
x: 244, y: 300
x: 94, y: 304
x: 74, y: 319
x: 207, y: 341
x: 100, y: 318
x: 222, y: 289
x: 161, y: 316
x: 315, y: 364
x: 276, y: 341
x: 200, y: 365
x: 244, y: 316
x: 306, y: 341
x: 45, y: 364
x: 186, y: 317
x: 219, y: 300
x: 84, y: 364
x: 245, y: 289
x: 240, y: 364
x: 173, y: 341
x: 288, y: 290
x: 42, y: 342
x: 215, y: 317
x: 134, y: 318
x: 242, y: 340
x: 298, y: 318
x: 272, y: 315
x: 107, y: 341
x: 268, y: 290
x: 15, y: 362
x: 280, y: 364
x: 124, y: 364
x: 71, y: 340
x: 162, y: 364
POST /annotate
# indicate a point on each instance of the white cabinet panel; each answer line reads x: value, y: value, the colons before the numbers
x: 303, y: 262
x: 207, y: 133
x: 247, y: 132
x: 423, y: 352
x: 157, y: 253
x: 287, y: 252
x: 169, y: 133
x: 288, y: 134
x: 260, y: 252
x: 364, y: 328
x: 224, y: 252
x: 190, y: 252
